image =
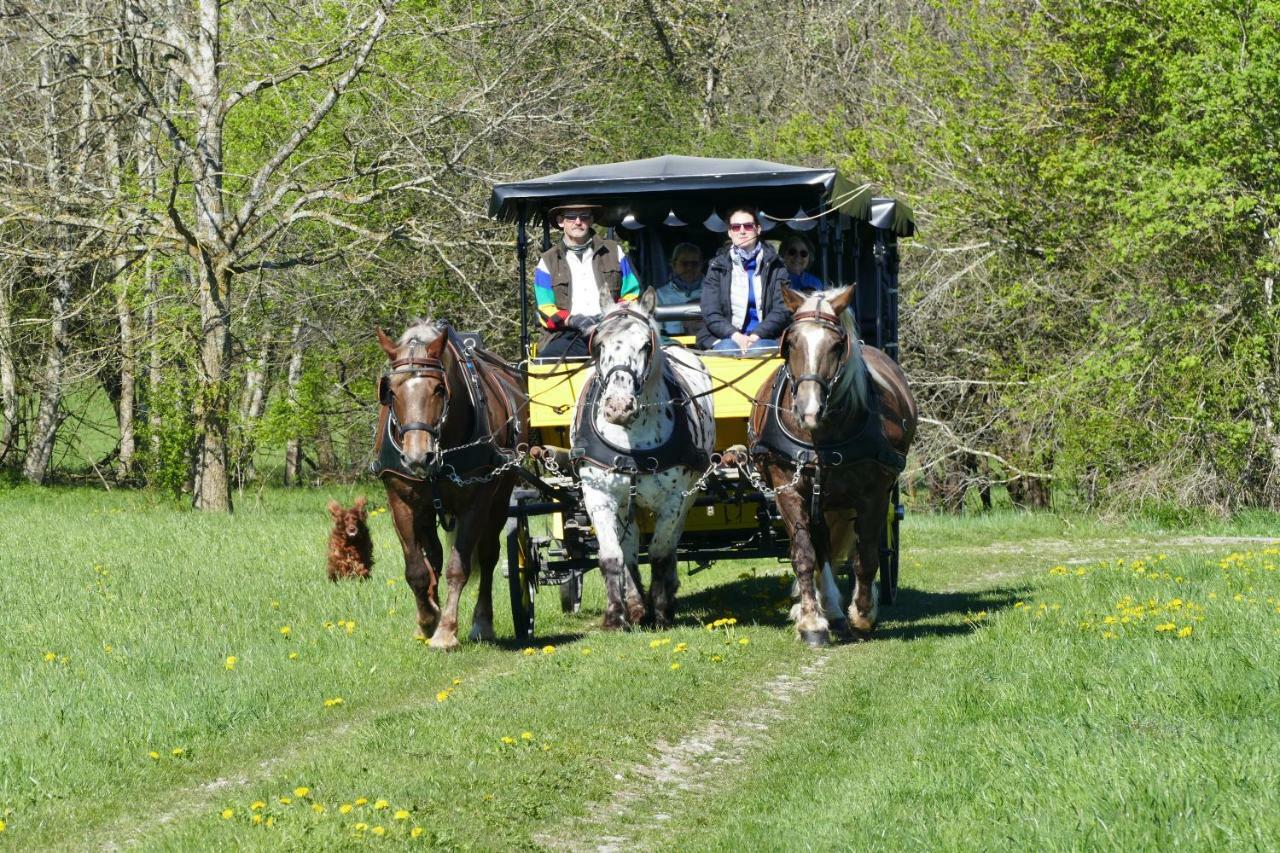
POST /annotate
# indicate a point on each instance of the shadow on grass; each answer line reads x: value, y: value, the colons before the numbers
x: 917, y: 613
x: 511, y: 644
x: 920, y: 613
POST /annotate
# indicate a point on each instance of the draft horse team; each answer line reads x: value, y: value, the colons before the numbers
x: 829, y: 430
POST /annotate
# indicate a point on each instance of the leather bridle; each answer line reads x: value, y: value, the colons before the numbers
x: 415, y: 367
x: 827, y: 320
x: 625, y: 313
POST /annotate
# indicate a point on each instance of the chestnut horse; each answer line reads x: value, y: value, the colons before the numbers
x: 830, y: 432
x: 452, y: 426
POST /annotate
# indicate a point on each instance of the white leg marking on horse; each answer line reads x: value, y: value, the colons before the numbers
x: 829, y: 594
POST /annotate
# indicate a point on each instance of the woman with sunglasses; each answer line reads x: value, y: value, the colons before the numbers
x: 742, y: 292
x: 797, y: 254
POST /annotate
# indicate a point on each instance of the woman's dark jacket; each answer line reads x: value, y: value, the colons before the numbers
x: 717, y: 308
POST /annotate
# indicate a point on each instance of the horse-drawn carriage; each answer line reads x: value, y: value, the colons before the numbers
x: 650, y: 206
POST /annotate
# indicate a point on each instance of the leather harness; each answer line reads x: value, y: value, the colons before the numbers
x: 473, y: 454
x: 592, y: 448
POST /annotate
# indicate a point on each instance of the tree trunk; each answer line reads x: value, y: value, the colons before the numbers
x: 213, y: 483
x: 213, y: 489
x: 8, y: 375
x: 293, y: 447
x: 45, y: 432
x: 253, y: 403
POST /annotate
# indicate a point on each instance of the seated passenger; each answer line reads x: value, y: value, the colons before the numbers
x: 742, y: 291
x: 797, y: 254
x: 577, y: 279
x: 684, y: 287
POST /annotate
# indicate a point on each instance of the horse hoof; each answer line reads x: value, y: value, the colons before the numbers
x: 444, y: 644
x: 863, y: 625
x: 816, y: 639
x: 841, y: 629
x: 482, y: 635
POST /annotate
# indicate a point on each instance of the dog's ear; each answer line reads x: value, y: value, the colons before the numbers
x: 335, y: 509
x: 361, y: 503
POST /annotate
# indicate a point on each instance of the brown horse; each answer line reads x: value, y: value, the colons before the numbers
x: 453, y: 425
x: 830, y: 432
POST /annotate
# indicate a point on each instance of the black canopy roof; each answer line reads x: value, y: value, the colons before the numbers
x: 692, y: 188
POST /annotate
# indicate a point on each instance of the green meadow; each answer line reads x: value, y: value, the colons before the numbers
x: 178, y: 681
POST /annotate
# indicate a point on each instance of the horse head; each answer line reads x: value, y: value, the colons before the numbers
x: 624, y: 348
x: 417, y: 391
x: 815, y: 348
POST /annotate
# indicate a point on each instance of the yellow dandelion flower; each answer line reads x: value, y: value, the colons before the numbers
x: 381, y: 804
x: 442, y: 695
x: 401, y: 814
x: 153, y: 755
x: 379, y: 831
x: 360, y: 801
x: 529, y: 652
x: 334, y: 702
x: 675, y: 666
x: 256, y: 819
x: 285, y: 630
x: 548, y: 650
x: 508, y: 740
x: 177, y: 752
x: 318, y: 808
x: 586, y: 650
x: 1019, y: 604
x: 230, y: 662
x: 416, y: 832
x: 345, y: 808
x: 457, y: 681
x: 680, y: 647
x: 361, y: 826
x: 301, y: 791
x: 284, y: 801
x: 526, y: 736
x: 1165, y: 627
x: 293, y: 655
x: 1108, y: 635
x: 1184, y: 632
x: 654, y: 644
x: 391, y: 581
x: 227, y: 814
x: 271, y: 821
x: 50, y: 657
x: 744, y: 641
x: 257, y: 805
x: 717, y: 658
x: 275, y: 605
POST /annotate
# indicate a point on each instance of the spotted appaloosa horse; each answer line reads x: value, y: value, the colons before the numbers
x: 641, y: 437
x: 843, y: 413
x: 453, y: 416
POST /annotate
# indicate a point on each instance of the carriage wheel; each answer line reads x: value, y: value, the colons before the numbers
x: 522, y: 578
x: 889, y: 552
x: 571, y: 593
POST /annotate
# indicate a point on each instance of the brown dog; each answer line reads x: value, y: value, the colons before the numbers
x: 350, y: 548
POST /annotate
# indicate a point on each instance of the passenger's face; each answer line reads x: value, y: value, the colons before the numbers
x: 576, y: 224
x: 796, y: 257
x: 743, y: 231
x: 688, y: 267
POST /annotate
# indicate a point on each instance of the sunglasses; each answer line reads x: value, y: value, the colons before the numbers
x: 576, y: 217
x: 742, y: 226
x: 797, y: 253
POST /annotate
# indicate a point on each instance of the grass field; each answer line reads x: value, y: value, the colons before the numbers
x: 177, y: 681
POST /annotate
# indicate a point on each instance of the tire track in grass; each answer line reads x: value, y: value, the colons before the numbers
x: 193, y: 800
x: 692, y: 765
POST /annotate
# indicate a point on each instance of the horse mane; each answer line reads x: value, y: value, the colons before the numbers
x: 423, y: 329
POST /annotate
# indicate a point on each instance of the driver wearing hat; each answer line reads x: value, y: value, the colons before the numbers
x: 576, y: 281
